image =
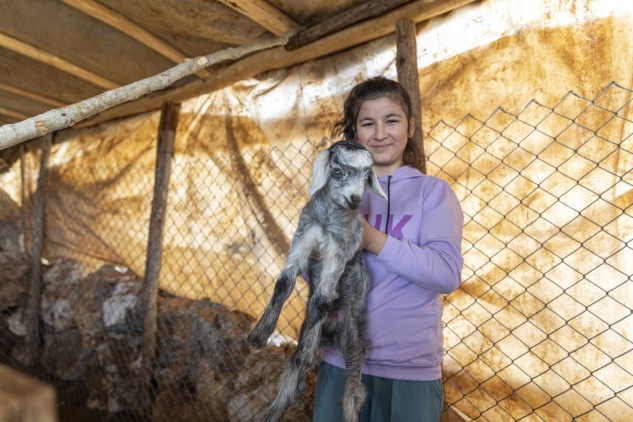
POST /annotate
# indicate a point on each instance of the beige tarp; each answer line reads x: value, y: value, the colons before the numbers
x: 545, y: 307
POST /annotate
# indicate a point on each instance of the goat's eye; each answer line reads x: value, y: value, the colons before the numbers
x: 337, y: 172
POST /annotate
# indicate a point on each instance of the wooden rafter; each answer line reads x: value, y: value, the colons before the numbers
x: 279, y: 58
x: 60, y: 118
x: 245, y: 61
x: 367, y: 10
x: 45, y: 57
x: 130, y: 28
x: 31, y: 95
x: 262, y: 13
x: 12, y: 113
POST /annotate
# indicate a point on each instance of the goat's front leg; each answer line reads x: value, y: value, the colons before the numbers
x: 297, y: 259
x: 354, y: 286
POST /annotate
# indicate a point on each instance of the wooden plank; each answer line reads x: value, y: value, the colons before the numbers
x: 364, y: 11
x: 279, y: 58
x: 264, y: 14
x: 25, y: 399
x: 149, y: 295
x: 407, y: 68
x: 32, y: 311
x: 12, y: 113
x: 130, y: 28
x: 35, y: 53
x: 31, y: 95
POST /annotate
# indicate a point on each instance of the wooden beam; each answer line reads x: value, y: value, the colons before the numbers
x: 407, y: 68
x: 32, y: 312
x: 12, y: 113
x: 31, y: 95
x: 279, y: 58
x: 24, y: 398
x: 264, y: 14
x: 61, y: 118
x: 164, y: 155
x: 367, y: 10
x: 35, y: 53
x: 129, y: 28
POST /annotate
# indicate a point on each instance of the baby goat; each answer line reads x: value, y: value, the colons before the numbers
x: 324, y: 246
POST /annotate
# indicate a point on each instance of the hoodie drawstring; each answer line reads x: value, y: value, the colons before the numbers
x: 388, y: 202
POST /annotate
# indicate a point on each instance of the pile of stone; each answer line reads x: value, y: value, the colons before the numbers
x: 92, y: 332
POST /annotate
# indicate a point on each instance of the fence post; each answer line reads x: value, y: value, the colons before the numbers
x: 24, y: 245
x: 31, y: 317
x: 149, y: 295
x: 407, y: 68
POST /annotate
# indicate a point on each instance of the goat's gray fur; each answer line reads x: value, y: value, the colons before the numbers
x: 324, y: 246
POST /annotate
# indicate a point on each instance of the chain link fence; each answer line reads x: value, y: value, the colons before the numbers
x: 541, y: 328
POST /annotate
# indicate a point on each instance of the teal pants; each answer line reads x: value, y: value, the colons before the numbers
x: 386, y: 400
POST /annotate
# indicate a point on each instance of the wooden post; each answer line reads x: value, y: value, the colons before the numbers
x: 24, y: 243
x: 31, y: 316
x: 407, y: 67
x: 25, y: 399
x: 149, y: 295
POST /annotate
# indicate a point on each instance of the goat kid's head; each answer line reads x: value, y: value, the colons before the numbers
x: 346, y: 168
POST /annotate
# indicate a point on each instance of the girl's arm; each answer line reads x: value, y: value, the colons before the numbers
x: 437, y: 263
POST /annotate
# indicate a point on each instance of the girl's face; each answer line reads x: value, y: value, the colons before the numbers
x: 382, y: 127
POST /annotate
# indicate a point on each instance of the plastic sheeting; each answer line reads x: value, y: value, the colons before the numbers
x: 222, y: 226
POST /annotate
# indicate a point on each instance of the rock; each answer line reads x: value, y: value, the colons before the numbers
x: 15, y: 324
x: 14, y: 278
x: 112, y: 375
x: 64, y: 354
x: 99, y: 310
x: 201, y: 345
x: 10, y: 215
x: 108, y: 317
x: 60, y: 295
x: 179, y: 405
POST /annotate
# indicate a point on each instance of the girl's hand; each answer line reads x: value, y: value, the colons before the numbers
x: 373, y: 239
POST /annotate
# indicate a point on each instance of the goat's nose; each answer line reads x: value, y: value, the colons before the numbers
x: 355, y: 199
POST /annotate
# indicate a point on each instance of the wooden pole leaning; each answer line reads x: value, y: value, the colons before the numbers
x: 149, y: 295
x: 31, y: 316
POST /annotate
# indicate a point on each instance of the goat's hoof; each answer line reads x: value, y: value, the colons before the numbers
x: 255, y: 341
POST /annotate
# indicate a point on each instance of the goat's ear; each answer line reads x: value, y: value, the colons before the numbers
x: 374, y: 186
x: 320, y: 173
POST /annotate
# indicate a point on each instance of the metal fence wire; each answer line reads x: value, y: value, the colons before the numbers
x: 541, y: 328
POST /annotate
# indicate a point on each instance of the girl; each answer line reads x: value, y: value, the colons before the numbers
x: 412, y: 247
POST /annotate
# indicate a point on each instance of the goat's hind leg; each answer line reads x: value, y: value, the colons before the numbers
x: 293, y: 379
x: 354, y: 286
x: 291, y: 384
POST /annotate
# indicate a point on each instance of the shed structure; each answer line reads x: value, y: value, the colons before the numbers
x: 195, y: 189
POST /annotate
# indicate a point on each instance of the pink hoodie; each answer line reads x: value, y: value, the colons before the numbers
x: 420, y: 262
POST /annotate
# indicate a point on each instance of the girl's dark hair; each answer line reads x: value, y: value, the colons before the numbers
x: 372, y: 89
